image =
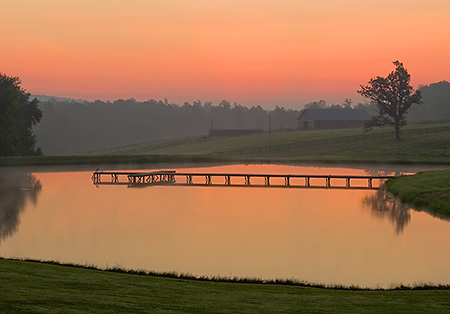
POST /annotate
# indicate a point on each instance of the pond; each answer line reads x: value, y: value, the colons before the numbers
x: 329, y: 236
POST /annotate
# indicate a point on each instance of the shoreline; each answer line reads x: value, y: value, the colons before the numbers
x: 170, y: 159
x: 235, y: 280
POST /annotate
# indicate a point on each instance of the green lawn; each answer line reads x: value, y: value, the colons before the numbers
x: 419, y: 144
x: 325, y: 145
x: 226, y: 144
x: 430, y: 190
x: 415, y: 148
x: 31, y: 287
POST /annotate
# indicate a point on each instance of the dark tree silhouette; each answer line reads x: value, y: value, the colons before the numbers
x: 393, y: 95
x: 17, y: 117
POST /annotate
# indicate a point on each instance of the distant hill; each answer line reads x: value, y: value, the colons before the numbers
x: 435, y: 103
x: 69, y: 127
x: 55, y: 99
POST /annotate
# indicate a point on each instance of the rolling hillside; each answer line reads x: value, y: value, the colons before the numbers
x: 420, y: 143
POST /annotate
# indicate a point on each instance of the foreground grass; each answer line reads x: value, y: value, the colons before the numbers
x: 30, y: 287
x: 430, y: 190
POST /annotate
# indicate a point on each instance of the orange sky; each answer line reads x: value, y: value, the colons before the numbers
x: 267, y: 52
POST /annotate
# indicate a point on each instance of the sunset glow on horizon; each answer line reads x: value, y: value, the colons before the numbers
x: 265, y: 52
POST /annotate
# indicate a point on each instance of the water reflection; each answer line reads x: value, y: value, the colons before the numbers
x: 15, y: 191
x: 384, y: 205
x: 317, y: 235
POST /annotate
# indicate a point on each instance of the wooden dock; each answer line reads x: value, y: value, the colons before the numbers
x: 170, y: 177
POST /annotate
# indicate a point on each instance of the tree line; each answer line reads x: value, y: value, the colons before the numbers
x: 64, y: 126
x: 70, y: 127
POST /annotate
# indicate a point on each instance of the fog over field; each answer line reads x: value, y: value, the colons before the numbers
x: 75, y: 126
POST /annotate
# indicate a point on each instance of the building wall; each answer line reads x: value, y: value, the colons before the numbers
x: 306, y: 124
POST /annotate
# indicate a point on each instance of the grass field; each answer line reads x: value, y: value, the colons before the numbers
x: 31, y: 287
x: 430, y: 190
x: 419, y: 144
x: 426, y: 144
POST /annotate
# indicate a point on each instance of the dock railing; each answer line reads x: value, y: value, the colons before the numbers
x: 170, y: 177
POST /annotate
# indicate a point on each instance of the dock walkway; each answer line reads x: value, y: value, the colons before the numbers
x: 170, y: 177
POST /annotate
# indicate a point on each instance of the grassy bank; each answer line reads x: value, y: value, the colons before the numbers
x: 30, y: 287
x: 430, y: 190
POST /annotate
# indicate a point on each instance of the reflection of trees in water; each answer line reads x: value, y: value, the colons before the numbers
x: 384, y: 205
x: 15, y: 190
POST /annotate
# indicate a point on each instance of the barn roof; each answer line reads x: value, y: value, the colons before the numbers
x: 334, y: 114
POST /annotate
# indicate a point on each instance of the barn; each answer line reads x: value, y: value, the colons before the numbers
x: 316, y: 119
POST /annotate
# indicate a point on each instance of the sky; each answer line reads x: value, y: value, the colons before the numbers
x: 253, y: 52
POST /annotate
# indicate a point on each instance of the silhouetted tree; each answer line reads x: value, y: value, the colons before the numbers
x: 17, y: 117
x: 393, y: 95
x: 347, y: 103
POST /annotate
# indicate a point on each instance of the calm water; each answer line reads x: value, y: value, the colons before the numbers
x: 331, y: 236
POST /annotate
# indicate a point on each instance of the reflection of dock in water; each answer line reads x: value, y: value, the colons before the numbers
x: 169, y: 177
